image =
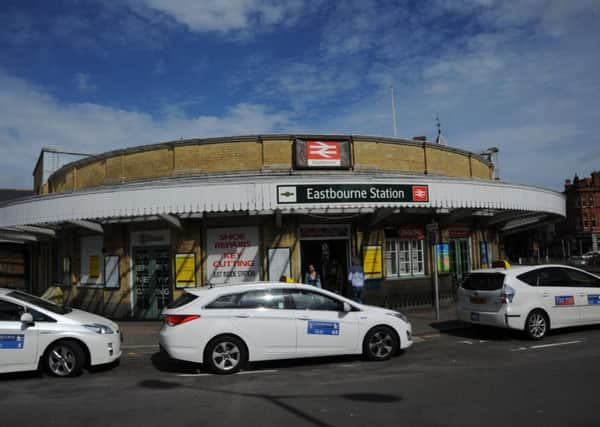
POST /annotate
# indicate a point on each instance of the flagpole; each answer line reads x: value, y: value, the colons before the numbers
x: 394, y: 112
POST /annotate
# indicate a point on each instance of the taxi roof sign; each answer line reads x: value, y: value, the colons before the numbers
x: 501, y: 264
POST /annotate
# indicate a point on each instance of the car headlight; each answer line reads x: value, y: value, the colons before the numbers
x: 398, y: 315
x: 99, y: 328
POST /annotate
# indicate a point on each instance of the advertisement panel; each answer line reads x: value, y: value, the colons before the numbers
x: 442, y: 254
x: 373, y: 262
x: 185, y: 270
x: 232, y: 255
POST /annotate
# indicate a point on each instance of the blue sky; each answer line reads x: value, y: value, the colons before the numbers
x: 91, y: 76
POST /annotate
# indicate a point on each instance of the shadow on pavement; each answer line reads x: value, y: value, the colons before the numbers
x: 164, y: 363
x: 15, y: 376
x: 490, y: 333
x: 161, y: 361
x: 459, y: 329
x: 103, y: 368
x: 281, y: 400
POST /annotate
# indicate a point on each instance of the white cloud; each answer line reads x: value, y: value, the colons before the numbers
x: 31, y: 119
x: 225, y: 16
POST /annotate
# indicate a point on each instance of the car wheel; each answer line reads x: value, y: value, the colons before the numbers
x: 226, y: 355
x: 380, y: 343
x: 64, y: 359
x: 536, y: 325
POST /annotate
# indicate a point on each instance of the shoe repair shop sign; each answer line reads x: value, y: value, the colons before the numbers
x: 352, y: 193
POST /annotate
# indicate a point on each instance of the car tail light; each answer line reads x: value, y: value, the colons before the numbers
x: 507, y: 295
x: 178, y: 319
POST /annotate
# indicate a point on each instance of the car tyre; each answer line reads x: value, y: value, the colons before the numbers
x: 64, y: 359
x: 380, y: 343
x: 226, y: 355
x: 536, y: 325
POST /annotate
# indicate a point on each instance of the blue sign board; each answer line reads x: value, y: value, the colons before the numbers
x: 12, y: 341
x: 323, y: 328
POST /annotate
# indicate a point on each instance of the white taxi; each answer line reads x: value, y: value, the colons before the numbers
x: 533, y: 299
x: 37, y: 333
x: 224, y: 327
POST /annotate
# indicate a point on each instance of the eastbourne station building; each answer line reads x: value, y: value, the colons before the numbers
x: 124, y: 232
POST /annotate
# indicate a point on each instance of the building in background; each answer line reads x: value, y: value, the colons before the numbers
x: 124, y: 232
x: 581, y: 232
x: 14, y: 251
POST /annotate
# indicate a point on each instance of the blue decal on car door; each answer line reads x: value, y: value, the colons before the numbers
x: 12, y: 341
x: 323, y: 328
x: 593, y: 299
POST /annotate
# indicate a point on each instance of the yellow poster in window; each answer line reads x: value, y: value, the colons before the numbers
x: 372, y: 262
x: 94, y: 266
x: 185, y: 270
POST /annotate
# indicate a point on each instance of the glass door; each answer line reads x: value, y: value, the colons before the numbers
x: 151, y: 281
x: 460, y: 258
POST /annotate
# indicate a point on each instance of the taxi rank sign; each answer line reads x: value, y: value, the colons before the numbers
x: 352, y: 193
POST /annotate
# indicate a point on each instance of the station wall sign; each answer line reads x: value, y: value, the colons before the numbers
x: 352, y: 193
x: 321, y: 154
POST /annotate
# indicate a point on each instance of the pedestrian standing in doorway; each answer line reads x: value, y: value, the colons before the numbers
x: 312, y: 276
x: 356, y: 277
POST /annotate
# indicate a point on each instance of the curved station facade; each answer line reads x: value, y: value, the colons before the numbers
x: 124, y: 232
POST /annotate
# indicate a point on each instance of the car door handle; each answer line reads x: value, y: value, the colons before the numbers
x: 242, y: 315
x: 545, y: 294
x: 581, y: 295
x: 303, y: 317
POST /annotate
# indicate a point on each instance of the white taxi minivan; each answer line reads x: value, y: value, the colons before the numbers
x: 37, y: 333
x: 533, y: 299
x: 227, y: 326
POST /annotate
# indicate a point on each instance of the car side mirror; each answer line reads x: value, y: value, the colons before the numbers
x: 347, y: 307
x: 27, y: 318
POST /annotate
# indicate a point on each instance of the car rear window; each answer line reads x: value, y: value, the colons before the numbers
x: 184, y: 299
x: 484, y: 282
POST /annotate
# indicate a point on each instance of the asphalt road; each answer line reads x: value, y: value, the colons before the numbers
x: 468, y: 377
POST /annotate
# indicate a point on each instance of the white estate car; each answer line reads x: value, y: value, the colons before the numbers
x: 226, y: 326
x: 534, y: 299
x: 37, y: 333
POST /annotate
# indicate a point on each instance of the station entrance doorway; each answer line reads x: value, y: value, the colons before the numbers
x: 327, y: 248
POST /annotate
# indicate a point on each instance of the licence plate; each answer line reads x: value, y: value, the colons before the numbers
x: 475, y: 317
x: 478, y: 300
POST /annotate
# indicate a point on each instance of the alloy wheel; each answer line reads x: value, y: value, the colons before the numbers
x: 62, y: 361
x: 536, y: 325
x: 226, y: 356
x: 381, y: 344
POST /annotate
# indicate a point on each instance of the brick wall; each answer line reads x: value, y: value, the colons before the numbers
x: 254, y: 154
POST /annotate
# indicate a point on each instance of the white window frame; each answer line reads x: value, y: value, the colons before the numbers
x: 406, y: 257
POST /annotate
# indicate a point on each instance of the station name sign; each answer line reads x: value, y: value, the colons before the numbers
x: 352, y: 193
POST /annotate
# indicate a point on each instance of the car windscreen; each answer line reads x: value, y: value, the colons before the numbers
x: 184, y: 299
x: 42, y: 303
x: 484, y: 281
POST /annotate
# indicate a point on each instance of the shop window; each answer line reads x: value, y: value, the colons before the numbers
x: 404, y: 257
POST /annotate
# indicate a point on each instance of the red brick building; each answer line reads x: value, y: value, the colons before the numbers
x: 583, y: 213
